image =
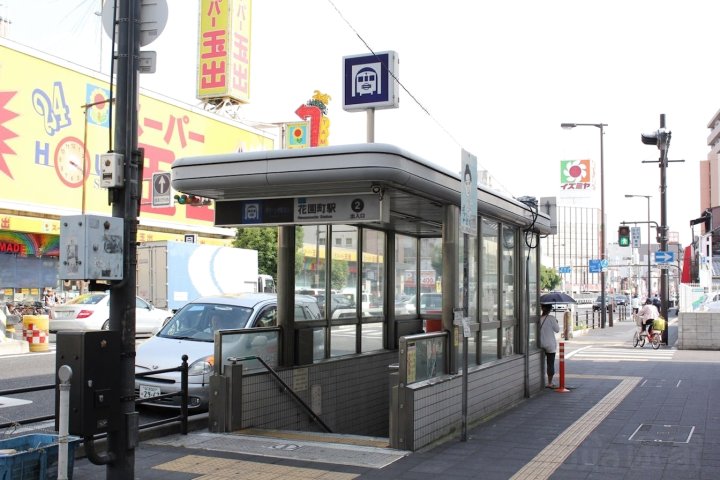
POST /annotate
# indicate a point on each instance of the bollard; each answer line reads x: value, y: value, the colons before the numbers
x: 64, y: 374
x: 561, y: 387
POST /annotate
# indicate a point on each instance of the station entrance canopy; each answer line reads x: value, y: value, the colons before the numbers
x: 375, y: 184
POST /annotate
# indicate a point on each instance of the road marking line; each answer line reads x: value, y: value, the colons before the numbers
x: 552, y: 457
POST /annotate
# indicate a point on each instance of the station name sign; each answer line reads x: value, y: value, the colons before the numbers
x: 360, y: 208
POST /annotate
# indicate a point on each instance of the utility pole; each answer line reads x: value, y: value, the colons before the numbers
x: 661, y: 138
x: 125, y: 200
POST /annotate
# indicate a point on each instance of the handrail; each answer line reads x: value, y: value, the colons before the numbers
x: 285, y: 386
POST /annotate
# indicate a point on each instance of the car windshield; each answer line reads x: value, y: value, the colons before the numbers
x: 200, y: 321
x: 87, y: 299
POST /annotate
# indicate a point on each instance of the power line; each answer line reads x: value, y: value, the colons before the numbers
x: 417, y: 102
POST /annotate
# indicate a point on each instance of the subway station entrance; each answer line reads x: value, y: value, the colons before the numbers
x: 372, y: 232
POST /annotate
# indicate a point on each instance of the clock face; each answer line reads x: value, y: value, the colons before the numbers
x: 72, y: 163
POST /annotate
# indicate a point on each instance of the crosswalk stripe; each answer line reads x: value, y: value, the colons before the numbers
x: 622, y: 354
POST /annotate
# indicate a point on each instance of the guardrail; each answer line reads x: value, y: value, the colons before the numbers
x: 182, y: 418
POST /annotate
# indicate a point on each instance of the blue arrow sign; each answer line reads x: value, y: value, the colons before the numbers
x: 662, y: 256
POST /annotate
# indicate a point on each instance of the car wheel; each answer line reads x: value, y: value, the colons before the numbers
x: 106, y: 325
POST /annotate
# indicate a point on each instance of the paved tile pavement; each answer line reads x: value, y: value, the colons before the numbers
x: 630, y: 413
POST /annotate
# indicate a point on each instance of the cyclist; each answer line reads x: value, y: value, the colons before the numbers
x: 648, y: 313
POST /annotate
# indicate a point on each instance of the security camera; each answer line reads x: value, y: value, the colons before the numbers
x: 376, y: 188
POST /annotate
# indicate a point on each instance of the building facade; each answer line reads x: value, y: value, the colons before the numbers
x: 576, y: 243
x: 55, y: 122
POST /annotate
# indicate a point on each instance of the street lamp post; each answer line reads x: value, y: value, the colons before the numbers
x: 601, y: 126
x: 646, y: 197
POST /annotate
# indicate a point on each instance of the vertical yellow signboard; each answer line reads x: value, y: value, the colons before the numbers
x: 224, y: 50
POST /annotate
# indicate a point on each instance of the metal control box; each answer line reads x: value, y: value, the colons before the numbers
x: 91, y: 247
x: 111, y: 170
x: 94, y: 357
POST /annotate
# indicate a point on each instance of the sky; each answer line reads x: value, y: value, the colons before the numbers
x: 496, y: 78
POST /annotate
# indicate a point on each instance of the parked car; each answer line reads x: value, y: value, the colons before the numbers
x: 91, y: 311
x: 598, y: 301
x: 191, y: 332
x: 622, y: 300
x: 431, y: 303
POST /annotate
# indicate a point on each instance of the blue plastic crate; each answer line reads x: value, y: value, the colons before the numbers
x: 36, y: 457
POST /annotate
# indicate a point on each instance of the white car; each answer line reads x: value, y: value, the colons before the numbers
x: 191, y: 332
x: 711, y: 306
x: 91, y: 311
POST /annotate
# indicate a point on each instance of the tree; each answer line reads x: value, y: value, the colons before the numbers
x: 339, y: 274
x: 549, y: 278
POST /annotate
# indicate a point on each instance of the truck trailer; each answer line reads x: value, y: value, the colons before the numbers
x: 170, y: 274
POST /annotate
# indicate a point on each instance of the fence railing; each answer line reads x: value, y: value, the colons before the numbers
x: 182, y: 417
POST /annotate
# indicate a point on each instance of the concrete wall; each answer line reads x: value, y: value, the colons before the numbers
x: 352, y: 397
x: 349, y: 395
x: 435, y: 407
x: 698, y: 331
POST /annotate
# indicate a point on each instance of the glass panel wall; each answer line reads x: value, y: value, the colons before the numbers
x: 373, y: 273
x: 489, y: 289
x: 310, y: 263
x: 472, y: 294
x: 488, y: 345
x: 489, y: 275
x: 344, y: 271
x: 406, y: 274
x: 509, y: 291
x: 372, y: 336
x: 533, y: 289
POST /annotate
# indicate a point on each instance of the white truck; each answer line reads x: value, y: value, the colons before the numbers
x: 170, y: 274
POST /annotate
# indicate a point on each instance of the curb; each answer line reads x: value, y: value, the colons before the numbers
x: 195, y: 423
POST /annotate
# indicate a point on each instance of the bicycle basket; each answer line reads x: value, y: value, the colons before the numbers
x: 659, y: 324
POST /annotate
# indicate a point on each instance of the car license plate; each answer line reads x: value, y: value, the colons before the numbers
x: 146, y: 391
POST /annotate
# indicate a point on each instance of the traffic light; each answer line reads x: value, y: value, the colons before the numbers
x: 192, y: 200
x: 624, y: 236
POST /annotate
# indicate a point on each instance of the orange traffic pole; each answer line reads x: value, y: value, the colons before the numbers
x: 561, y: 388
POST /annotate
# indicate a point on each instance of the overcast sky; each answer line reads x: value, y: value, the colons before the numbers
x: 497, y: 78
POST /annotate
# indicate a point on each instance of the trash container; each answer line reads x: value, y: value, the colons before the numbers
x: 34, y: 457
x: 36, y: 332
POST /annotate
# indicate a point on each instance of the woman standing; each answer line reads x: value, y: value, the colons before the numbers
x: 548, y: 328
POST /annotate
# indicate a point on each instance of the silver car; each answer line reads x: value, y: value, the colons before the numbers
x: 191, y: 332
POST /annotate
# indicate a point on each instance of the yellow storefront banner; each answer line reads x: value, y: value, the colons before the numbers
x: 50, y: 150
x: 224, y: 50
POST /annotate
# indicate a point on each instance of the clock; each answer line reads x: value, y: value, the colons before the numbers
x: 69, y: 165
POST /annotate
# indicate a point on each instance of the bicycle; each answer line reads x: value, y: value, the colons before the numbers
x: 641, y: 335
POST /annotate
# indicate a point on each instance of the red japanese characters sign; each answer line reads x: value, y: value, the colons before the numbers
x: 224, y: 50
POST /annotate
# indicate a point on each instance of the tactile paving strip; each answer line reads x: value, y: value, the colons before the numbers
x: 213, y: 468
x: 551, y: 457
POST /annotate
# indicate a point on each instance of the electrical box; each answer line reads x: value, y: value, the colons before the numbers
x: 91, y: 247
x: 111, y: 170
x: 94, y: 357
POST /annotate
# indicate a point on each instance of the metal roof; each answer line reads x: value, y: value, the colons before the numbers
x: 417, y: 189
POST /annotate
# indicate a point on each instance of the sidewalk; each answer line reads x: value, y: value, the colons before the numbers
x: 631, y: 412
